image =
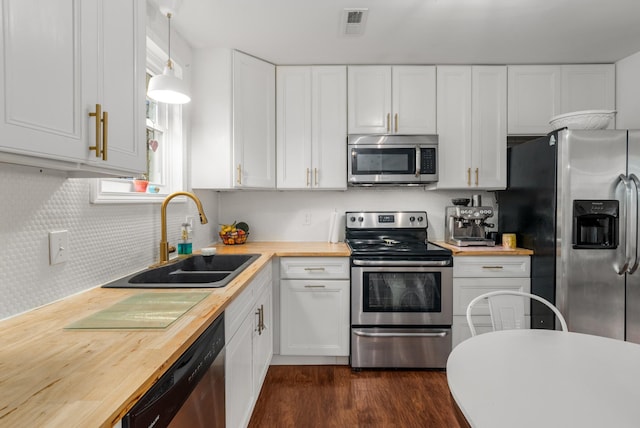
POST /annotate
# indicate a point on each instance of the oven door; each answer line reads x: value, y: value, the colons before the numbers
x: 401, y: 295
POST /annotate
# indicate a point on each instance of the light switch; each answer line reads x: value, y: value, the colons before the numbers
x: 58, y: 247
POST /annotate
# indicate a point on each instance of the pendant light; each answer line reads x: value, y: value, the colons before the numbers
x: 166, y: 87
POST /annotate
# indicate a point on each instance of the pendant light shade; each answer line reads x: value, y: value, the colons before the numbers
x: 166, y: 87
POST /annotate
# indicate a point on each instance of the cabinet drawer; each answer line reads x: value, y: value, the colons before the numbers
x: 492, y: 267
x: 467, y: 289
x: 243, y: 303
x: 314, y: 267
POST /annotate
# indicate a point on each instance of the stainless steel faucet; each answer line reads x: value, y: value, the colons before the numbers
x: 164, y: 245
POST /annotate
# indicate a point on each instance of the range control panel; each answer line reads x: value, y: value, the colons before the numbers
x: 386, y: 219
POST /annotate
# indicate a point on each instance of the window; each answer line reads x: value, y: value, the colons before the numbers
x: 165, y: 149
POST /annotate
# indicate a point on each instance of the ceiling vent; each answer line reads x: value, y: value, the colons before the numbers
x: 353, y: 21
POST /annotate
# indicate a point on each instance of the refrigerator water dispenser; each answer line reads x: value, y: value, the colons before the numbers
x: 595, y: 224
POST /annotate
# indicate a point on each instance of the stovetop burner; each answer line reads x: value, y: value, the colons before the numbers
x: 391, y: 235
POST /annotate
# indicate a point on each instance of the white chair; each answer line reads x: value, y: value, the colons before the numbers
x: 507, y: 310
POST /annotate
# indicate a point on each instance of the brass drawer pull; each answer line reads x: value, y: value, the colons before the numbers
x: 315, y: 286
x: 314, y: 269
x: 492, y: 267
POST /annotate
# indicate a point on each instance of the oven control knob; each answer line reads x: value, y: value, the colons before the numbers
x: 360, y: 219
x: 352, y: 219
x: 412, y: 219
x: 420, y: 219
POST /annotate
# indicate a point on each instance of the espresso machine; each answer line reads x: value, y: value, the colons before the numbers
x: 465, y: 225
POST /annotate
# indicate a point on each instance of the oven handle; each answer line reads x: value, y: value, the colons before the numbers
x: 365, y: 334
x: 426, y: 263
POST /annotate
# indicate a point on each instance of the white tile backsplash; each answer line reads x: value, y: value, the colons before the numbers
x: 105, y: 241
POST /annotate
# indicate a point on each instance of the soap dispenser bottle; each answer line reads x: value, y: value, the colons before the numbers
x: 184, y: 245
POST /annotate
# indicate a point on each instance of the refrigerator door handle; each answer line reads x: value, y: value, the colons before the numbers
x: 632, y: 233
x: 621, y: 270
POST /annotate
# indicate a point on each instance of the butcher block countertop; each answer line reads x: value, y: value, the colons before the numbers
x: 498, y: 250
x: 54, y: 377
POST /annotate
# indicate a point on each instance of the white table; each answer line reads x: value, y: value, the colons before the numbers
x: 544, y: 378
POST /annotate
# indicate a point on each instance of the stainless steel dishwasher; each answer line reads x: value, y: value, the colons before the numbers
x: 191, y: 393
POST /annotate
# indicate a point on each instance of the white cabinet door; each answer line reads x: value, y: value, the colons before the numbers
x: 534, y: 98
x: 392, y: 99
x: 329, y: 127
x: 454, y: 127
x: 254, y: 134
x: 472, y: 129
x: 120, y: 65
x: 233, y: 121
x: 262, y: 338
x: 239, y: 384
x: 58, y: 64
x: 413, y: 99
x: 489, y: 126
x: 294, y: 127
x: 369, y: 100
x: 311, y: 127
x: 588, y: 87
x: 314, y: 317
x: 42, y: 110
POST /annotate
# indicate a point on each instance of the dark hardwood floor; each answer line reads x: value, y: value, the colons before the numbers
x: 334, y: 396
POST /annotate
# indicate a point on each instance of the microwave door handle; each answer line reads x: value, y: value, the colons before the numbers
x: 620, y: 270
x: 418, y: 160
x: 633, y: 231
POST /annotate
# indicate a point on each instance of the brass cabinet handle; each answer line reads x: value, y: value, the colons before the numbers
x: 315, y: 286
x: 388, y: 122
x: 239, y: 179
x: 102, y: 127
x: 105, y: 128
x: 492, y: 267
x: 396, y: 123
x: 308, y: 172
x: 259, y: 326
x: 468, y: 176
x: 314, y: 268
x: 98, y: 116
x: 477, y: 176
x: 315, y: 174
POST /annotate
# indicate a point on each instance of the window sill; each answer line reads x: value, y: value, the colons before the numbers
x: 118, y: 191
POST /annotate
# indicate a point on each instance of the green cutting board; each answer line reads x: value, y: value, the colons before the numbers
x: 141, y: 311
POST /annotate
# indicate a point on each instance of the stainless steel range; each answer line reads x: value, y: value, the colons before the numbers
x: 401, y: 292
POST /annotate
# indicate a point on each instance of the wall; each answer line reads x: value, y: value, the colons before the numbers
x: 280, y: 216
x: 628, y: 92
x: 105, y: 241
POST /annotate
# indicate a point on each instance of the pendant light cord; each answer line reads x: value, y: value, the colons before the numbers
x: 169, y: 63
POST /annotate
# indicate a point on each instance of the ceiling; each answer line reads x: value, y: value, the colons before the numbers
x: 417, y: 31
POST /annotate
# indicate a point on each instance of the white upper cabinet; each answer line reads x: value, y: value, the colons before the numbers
x: 539, y: 92
x: 58, y: 64
x: 588, y: 87
x: 311, y: 127
x: 233, y: 121
x: 472, y: 128
x: 392, y: 99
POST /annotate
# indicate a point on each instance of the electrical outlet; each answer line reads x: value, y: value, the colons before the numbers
x: 58, y: 247
x: 307, y: 219
x: 189, y: 220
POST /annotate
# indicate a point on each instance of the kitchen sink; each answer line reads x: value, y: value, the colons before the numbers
x: 193, y: 272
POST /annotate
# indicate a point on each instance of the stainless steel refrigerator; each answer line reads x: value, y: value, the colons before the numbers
x: 572, y: 198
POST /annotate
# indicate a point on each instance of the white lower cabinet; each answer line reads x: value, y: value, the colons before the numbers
x: 314, y: 306
x: 473, y: 276
x: 249, y: 348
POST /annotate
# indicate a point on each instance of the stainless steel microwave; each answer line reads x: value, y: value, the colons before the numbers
x: 392, y: 159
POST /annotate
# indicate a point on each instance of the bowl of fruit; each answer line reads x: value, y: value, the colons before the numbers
x: 234, y: 234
